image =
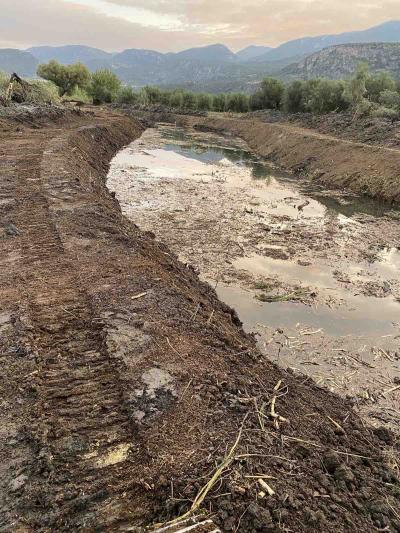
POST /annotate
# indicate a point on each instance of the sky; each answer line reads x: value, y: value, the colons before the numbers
x: 173, y: 25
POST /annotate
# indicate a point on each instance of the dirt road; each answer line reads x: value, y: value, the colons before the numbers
x: 125, y: 382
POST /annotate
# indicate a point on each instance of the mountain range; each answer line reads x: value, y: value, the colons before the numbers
x: 213, y: 67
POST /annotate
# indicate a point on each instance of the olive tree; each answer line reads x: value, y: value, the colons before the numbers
x: 66, y: 77
x: 105, y: 86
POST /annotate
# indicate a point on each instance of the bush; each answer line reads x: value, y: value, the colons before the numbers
x: 390, y: 99
x: 188, y: 100
x: 293, y: 98
x: 256, y: 101
x: 127, y: 95
x: 219, y: 102
x: 176, y: 99
x: 4, y: 79
x: 272, y: 93
x: 237, y: 102
x: 385, y: 112
x: 378, y: 83
x: 203, y: 102
x: 357, y: 88
x: 42, y: 92
x: 104, y: 87
x: 327, y: 96
x: 151, y: 95
x: 66, y: 77
x: 80, y: 95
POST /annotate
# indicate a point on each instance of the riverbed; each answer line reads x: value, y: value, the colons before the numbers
x: 314, y: 273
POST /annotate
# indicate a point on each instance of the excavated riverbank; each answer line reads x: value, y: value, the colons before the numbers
x: 127, y: 386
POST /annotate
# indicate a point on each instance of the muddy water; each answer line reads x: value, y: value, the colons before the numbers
x: 314, y: 273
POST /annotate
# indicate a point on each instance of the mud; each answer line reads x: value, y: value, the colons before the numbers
x: 98, y: 321
x: 325, y: 264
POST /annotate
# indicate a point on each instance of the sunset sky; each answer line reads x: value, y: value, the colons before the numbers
x: 172, y: 25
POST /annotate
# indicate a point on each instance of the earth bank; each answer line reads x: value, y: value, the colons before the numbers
x: 126, y: 382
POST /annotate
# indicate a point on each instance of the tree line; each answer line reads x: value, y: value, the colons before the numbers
x: 374, y: 94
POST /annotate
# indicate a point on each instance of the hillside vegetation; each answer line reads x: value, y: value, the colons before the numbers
x: 365, y: 93
x: 341, y: 61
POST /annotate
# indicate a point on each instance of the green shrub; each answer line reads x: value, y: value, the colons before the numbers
x: 385, y: 112
x: 390, y: 99
x: 127, y: 95
x: 256, y: 101
x: 357, y: 90
x: 4, y: 80
x: 42, y: 92
x: 176, y: 99
x: 237, y: 102
x: 272, y: 93
x: 80, y: 95
x: 219, y: 102
x: 327, y: 96
x: 66, y: 77
x: 375, y: 84
x: 293, y: 97
x: 104, y: 87
x: 188, y: 100
x: 151, y: 95
x: 203, y: 102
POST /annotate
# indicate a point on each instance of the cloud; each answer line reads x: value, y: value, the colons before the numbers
x: 171, y: 25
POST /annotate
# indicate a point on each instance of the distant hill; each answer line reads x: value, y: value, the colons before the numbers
x: 252, y: 52
x: 69, y: 54
x: 215, y: 53
x: 12, y: 60
x: 385, y: 33
x: 341, y: 61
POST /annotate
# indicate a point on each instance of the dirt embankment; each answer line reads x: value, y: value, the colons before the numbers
x: 125, y: 382
x: 370, y: 130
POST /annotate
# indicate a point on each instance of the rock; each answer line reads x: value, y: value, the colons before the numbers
x: 384, y: 434
x: 12, y: 230
x: 331, y: 462
x: 344, y: 473
x: 18, y: 483
x: 263, y: 515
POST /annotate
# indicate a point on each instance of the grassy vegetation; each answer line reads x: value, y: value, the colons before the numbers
x: 376, y: 95
x: 40, y: 91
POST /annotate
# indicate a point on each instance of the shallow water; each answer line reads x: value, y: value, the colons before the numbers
x: 205, y: 158
x: 242, y: 222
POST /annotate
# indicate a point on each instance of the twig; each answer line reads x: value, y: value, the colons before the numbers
x: 266, y: 487
x: 137, y: 296
x: 206, y: 489
x: 338, y: 426
x: 174, y: 350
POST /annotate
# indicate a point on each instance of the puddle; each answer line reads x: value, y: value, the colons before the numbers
x: 361, y: 315
x: 370, y: 317
x: 169, y: 160
x: 240, y: 221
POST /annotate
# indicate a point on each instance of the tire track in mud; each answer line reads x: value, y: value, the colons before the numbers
x: 82, y: 435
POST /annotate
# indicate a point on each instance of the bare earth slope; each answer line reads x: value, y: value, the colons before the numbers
x: 125, y: 381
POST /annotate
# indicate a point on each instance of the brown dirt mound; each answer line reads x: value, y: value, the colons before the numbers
x: 371, y: 130
x: 126, y: 382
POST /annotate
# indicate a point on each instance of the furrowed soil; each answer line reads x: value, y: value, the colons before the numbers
x: 127, y: 386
